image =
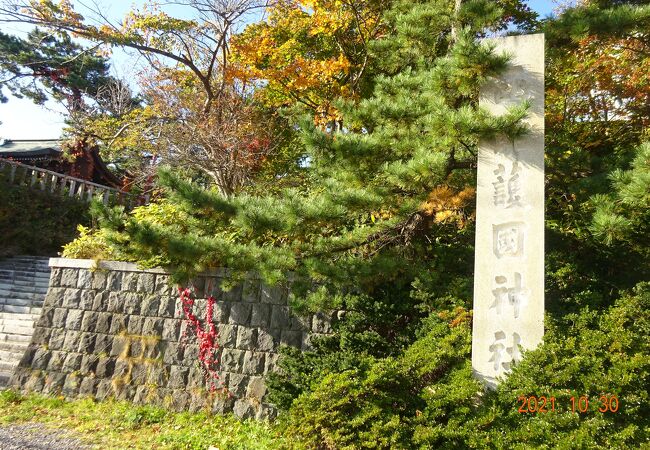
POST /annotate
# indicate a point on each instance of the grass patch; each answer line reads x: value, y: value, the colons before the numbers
x: 121, y: 425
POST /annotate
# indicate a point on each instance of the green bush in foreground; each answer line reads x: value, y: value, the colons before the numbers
x: 34, y: 222
x: 427, y: 397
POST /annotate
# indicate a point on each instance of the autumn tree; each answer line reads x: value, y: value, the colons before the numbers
x: 194, y: 112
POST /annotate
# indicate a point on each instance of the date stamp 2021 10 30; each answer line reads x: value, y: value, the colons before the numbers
x: 533, y: 404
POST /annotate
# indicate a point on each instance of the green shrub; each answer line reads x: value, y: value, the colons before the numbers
x: 34, y: 222
x: 427, y: 397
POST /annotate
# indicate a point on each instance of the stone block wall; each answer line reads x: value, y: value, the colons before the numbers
x: 114, y: 330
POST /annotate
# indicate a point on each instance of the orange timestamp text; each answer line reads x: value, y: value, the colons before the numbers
x: 533, y: 404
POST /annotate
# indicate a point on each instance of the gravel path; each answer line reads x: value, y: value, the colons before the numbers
x: 34, y: 436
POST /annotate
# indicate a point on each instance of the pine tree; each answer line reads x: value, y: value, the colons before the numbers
x: 45, y: 63
x: 387, y: 190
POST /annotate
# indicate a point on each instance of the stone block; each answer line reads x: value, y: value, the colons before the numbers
x: 150, y: 306
x: 233, y: 295
x: 115, y: 302
x: 103, y: 322
x: 88, y: 364
x: 280, y: 318
x: 222, y: 404
x: 103, y: 343
x: 256, y: 388
x: 190, y: 354
x: 55, y: 277
x: 122, y: 370
x: 221, y: 312
x: 87, y: 387
x: 87, y: 343
x: 240, y: 313
x: 253, y: 363
x: 73, y: 319
x: 138, y: 374
x: 164, y: 286
x: 54, y: 383
x: 46, y: 318
x: 173, y: 353
x: 59, y: 317
x: 57, y: 338
x: 171, y: 330
x: 99, y: 280
x: 157, y: 375
x: 136, y: 348
x: 227, y: 335
x: 167, y: 306
x: 41, y: 359
x: 71, y: 298
x: 243, y: 409
x: 71, y: 386
x: 72, y: 362
x: 41, y: 336
x: 84, y: 279
x: 114, y: 281
x: 54, y: 297
x: 195, y: 378
x: 237, y: 384
x: 132, y: 302
x: 180, y: 400
x: 246, y: 338
x: 69, y: 277
x: 34, y: 383
x: 177, y: 377
x: 89, y: 322
x: 152, y: 348
x: 71, y: 342
x: 152, y: 327
x: 260, y: 315
x: 105, y: 368
x: 146, y: 283
x: 135, y: 324
x: 118, y: 323
x: 301, y: 323
x: 28, y: 357
x: 251, y: 291
x: 232, y: 360
x: 267, y: 340
x: 100, y: 302
x: 271, y: 362
x: 120, y: 346
x: 57, y: 358
x: 129, y: 281
x: 276, y: 295
x: 306, y: 342
x: 266, y: 412
x: 291, y: 338
x: 104, y: 390
x: 87, y: 299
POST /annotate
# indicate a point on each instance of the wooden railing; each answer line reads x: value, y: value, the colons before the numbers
x: 57, y: 183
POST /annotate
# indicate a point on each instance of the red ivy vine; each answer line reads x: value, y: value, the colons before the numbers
x: 206, y: 335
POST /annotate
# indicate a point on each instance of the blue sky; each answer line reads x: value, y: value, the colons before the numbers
x: 21, y: 119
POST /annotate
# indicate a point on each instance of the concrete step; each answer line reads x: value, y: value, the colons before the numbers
x: 11, y: 356
x: 17, y: 330
x: 17, y: 301
x: 12, y: 287
x: 15, y: 347
x: 16, y: 309
x: 14, y: 338
x: 8, y: 317
x: 8, y: 366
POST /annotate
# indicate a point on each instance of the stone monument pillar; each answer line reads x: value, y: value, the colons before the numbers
x: 509, y: 259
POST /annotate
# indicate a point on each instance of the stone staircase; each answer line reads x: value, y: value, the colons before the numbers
x: 23, y: 285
